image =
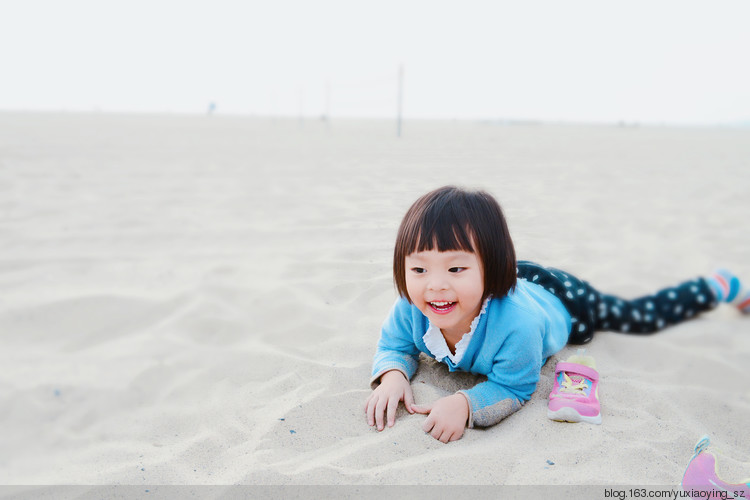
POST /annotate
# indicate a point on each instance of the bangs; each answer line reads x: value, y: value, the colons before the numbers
x: 441, y: 228
x: 443, y: 239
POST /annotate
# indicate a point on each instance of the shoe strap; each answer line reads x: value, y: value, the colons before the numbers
x: 702, y: 444
x: 586, y: 371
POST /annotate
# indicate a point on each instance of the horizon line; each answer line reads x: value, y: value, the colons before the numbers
x: 322, y: 118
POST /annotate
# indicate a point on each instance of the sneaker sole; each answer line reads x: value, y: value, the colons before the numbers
x: 570, y: 415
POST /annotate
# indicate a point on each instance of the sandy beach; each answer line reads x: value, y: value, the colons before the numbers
x: 196, y: 300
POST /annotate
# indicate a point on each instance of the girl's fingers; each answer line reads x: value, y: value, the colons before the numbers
x: 370, y: 411
x: 392, y: 407
x: 428, y: 424
x: 379, y: 412
x: 436, y: 433
x: 409, y: 400
x: 422, y: 409
x: 445, y: 437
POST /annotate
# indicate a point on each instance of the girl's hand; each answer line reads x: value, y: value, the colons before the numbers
x: 447, y: 417
x: 385, y: 398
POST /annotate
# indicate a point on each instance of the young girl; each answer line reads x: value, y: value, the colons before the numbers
x: 465, y: 301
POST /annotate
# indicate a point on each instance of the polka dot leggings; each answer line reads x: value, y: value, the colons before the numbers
x: 591, y: 310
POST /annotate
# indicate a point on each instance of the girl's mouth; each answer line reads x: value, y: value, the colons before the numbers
x: 442, y: 307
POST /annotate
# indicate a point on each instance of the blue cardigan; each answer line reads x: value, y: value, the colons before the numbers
x: 513, y: 338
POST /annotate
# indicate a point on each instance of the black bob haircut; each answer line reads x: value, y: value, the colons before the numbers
x: 452, y: 218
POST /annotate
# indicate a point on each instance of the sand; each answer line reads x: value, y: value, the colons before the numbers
x: 196, y: 300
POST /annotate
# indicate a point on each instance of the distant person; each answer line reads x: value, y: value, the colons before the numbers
x: 211, y: 108
x: 466, y: 301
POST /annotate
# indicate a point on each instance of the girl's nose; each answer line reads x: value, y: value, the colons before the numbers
x: 437, y: 282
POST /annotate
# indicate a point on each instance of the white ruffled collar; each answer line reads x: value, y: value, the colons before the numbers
x: 435, y: 342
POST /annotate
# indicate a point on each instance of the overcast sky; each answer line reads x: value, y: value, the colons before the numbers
x: 677, y: 61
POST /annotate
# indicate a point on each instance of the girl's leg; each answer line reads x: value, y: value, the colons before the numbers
x: 653, y: 312
x: 576, y: 296
x: 591, y: 310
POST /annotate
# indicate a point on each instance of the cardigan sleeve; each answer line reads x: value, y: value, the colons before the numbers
x: 396, y: 347
x: 510, y: 383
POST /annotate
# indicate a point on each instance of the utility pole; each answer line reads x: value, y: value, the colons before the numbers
x: 327, y: 113
x: 301, y: 107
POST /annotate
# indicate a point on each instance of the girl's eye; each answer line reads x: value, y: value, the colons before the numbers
x: 417, y: 270
x: 456, y: 269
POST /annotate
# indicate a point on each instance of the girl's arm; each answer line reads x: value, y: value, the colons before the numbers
x: 514, y: 375
x: 484, y: 405
x: 489, y: 403
x: 396, y: 347
x: 395, y: 362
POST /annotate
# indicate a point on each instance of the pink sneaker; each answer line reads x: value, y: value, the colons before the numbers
x: 575, y: 396
x: 701, y: 481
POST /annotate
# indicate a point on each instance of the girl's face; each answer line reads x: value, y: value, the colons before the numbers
x: 447, y: 287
